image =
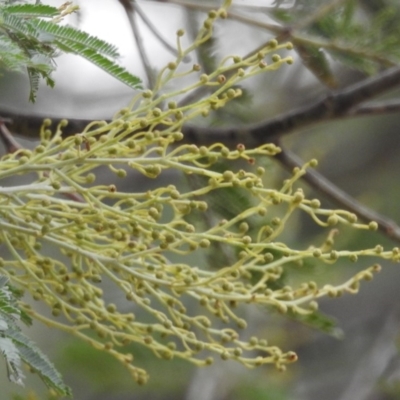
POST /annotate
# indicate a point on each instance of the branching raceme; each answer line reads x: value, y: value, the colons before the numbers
x: 104, y: 235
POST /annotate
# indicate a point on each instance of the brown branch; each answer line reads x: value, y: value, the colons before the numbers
x: 376, y: 108
x: 339, y: 104
x: 157, y: 34
x: 10, y: 144
x: 130, y: 7
x: 338, y: 196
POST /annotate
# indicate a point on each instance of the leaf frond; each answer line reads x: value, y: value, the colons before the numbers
x: 102, y: 62
x: 73, y: 35
x: 32, y: 10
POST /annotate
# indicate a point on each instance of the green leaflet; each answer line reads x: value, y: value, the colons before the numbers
x: 16, y: 348
x: 9, y: 313
x: 76, y: 36
x: 31, y: 355
x: 104, y: 63
x: 12, y: 359
x: 8, y: 307
x: 12, y: 57
x: 32, y: 10
x: 319, y: 321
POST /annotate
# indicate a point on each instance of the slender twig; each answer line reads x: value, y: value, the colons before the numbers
x: 7, y: 137
x: 274, y: 28
x: 157, y: 34
x: 377, y: 108
x: 130, y: 8
x: 335, y: 194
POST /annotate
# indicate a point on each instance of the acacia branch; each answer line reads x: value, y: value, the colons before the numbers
x: 339, y: 104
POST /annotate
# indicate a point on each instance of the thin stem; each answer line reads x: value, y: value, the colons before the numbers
x: 130, y: 8
x: 7, y: 137
x: 156, y: 33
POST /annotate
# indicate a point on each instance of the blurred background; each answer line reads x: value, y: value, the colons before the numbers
x: 351, y: 353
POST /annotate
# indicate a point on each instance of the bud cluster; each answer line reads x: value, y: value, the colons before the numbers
x: 98, y: 234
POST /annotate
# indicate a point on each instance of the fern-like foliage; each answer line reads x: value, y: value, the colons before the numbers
x: 30, y: 38
x: 17, y: 349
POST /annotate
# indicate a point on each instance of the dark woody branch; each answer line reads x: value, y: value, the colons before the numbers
x: 338, y: 104
x: 376, y: 108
